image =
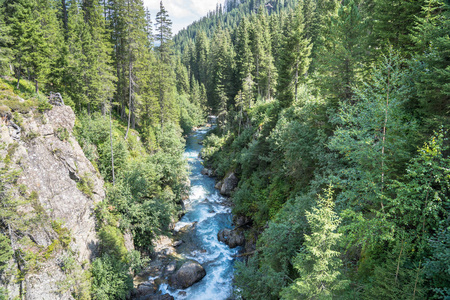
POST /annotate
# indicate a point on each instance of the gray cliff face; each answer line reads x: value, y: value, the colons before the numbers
x: 54, y: 167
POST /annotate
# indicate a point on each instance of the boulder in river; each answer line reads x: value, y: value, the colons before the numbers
x: 145, y: 289
x: 155, y: 297
x: 208, y: 172
x: 219, y: 185
x: 229, y: 184
x: 189, y: 273
x: 232, y: 238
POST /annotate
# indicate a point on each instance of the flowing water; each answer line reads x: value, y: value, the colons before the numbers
x: 205, y: 206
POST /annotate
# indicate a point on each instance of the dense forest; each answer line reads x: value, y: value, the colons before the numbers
x: 131, y: 112
x: 335, y: 116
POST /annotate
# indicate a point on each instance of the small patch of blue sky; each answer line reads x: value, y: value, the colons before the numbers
x: 182, y: 12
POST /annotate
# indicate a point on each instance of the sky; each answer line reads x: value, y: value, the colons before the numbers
x: 182, y: 12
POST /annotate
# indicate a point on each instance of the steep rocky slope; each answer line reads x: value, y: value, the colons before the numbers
x: 51, y: 199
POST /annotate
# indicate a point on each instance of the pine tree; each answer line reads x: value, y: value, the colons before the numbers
x: 221, y: 70
x: 393, y: 22
x: 163, y: 37
x: 200, y: 68
x: 433, y: 67
x: 30, y: 50
x: 244, y: 63
x: 98, y: 76
x: 318, y: 263
x: 295, y: 58
x: 76, y: 61
x: 264, y: 73
x: 340, y: 60
x: 5, y: 41
x: 374, y: 135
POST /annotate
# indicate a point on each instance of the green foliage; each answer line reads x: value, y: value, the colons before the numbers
x: 373, y: 136
x: 6, y: 251
x: 3, y: 293
x: 437, y: 265
x: 78, y: 281
x: 318, y: 262
x: 190, y: 114
x: 396, y: 278
x: 433, y: 75
x: 110, y: 278
x: 422, y: 198
x: 257, y: 283
x: 62, y: 134
x: 112, y: 242
x: 64, y: 235
x: 44, y: 105
x: 86, y: 184
x: 295, y: 59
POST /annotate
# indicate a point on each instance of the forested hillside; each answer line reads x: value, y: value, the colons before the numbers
x: 131, y: 116
x: 334, y: 115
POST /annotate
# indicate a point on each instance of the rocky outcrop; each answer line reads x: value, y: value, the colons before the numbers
x: 229, y: 184
x: 189, y: 273
x: 233, y: 238
x: 64, y: 187
x: 55, y: 168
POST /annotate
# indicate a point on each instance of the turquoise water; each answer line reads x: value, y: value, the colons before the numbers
x: 205, y: 207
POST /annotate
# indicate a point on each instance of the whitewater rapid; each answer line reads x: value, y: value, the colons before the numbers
x: 205, y: 206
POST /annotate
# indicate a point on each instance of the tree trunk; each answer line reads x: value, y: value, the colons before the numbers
x: 112, y: 152
x: 129, y: 100
x: 64, y: 11
x: 37, y: 86
x: 296, y: 82
x: 18, y: 78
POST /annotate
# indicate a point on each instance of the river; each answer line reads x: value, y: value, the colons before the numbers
x: 205, y: 206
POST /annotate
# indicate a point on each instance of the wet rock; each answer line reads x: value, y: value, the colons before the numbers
x: 182, y: 293
x: 219, y: 185
x: 189, y: 273
x: 208, y: 172
x: 232, y: 238
x: 170, y: 268
x: 163, y: 246
x: 177, y: 243
x: 155, y: 297
x: 146, y: 288
x: 229, y: 184
x: 240, y: 221
x: 185, y: 228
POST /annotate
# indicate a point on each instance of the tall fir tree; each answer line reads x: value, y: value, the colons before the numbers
x: 318, y: 263
x: 5, y: 41
x: 99, y: 78
x: 30, y: 47
x: 341, y: 59
x: 295, y: 58
x: 163, y: 37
